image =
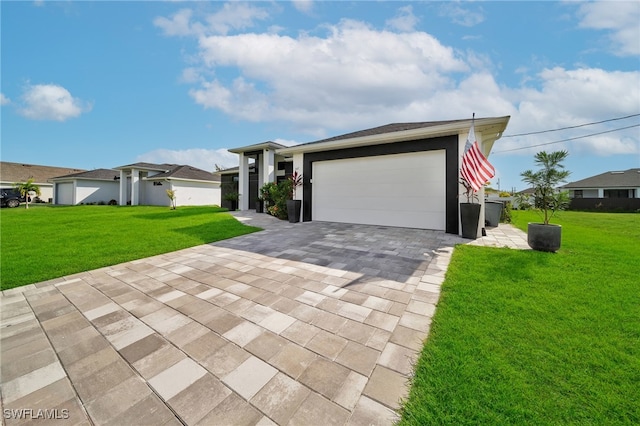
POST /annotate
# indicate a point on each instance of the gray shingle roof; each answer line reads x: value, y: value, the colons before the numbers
x: 20, y: 172
x: 97, y: 174
x: 387, y: 128
x: 614, y: 179
x: 187, y: 172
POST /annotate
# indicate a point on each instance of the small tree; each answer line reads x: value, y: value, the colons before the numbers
x: 545, y: 180
x: 296, y: 181
x: 25, y: 188
x: 171, y: 193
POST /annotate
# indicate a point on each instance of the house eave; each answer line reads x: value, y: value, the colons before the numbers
x: 257, y: 147
x: 490, y: 130
x: 179, y: 179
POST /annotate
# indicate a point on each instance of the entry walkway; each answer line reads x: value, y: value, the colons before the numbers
x: 308, y: 323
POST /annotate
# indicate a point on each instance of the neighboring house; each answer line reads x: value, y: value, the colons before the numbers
x: 616, y: 184
x: 403, y: 174
x: 12, y: 173
x: 139, y: 184
x: 94, y: 186
x: 147, y: 184
x: 610, y: 191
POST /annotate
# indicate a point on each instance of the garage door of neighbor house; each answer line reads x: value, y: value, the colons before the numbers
x: 64, y: 193
x: 406, y: 190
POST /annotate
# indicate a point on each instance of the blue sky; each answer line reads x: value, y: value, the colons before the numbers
x: 104, y: 84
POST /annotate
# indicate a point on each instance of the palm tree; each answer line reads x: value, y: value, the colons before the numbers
x: 25, y: 188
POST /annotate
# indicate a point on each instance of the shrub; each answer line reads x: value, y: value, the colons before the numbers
x: 276, y: 196
x: 505, y: 216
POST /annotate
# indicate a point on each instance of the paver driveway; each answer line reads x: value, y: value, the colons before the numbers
x: 309, y: 323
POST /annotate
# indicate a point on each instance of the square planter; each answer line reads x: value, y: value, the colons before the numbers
x: 293, y: 210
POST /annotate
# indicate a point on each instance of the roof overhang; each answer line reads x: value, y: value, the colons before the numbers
x: 489, y: 129
x: 257, y: 147
x: 171, y: 178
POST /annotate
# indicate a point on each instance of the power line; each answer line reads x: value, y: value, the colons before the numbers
x: 571, y: 127
x: 567, y: 140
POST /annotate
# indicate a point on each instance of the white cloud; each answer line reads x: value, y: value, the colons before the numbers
x: 462, y: 15
x: 347, y: 75
x: 205, y: 159
x: 304, y: 6
x: 355, y: 76
x: 4, y: 100
x: 51, y: 102
x: 179, y: 24
x: 574, y: 97
x: 232, y: 16
x: 620, y: 18
x: 404, y: 21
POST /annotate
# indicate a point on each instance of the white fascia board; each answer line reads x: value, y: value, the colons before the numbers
x: 257, y: 147
x: 169, y: 179
x: 490, y: 128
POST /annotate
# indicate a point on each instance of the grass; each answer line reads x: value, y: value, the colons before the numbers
x: 46, y: 242
x: 524, y: 337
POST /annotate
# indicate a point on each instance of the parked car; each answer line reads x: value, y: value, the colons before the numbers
x: 10, y: 197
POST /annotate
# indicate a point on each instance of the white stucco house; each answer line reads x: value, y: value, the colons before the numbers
x: 93, y: 186
x: 402, y: 174
x: 139, y: 184
x: 12, y: 173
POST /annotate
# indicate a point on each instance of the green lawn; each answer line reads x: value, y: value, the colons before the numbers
x: 46, y: 242
x: 524, y: 337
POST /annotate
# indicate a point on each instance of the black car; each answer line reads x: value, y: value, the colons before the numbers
x: 10, y: 197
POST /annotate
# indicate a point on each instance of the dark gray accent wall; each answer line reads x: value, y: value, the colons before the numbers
x: 447, y: 143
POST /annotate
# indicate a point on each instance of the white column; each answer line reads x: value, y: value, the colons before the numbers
x: 135, y: 187
x: 243, y: 182
x: 600, y: 193
x: 268, y: 166
x: 123, y: 188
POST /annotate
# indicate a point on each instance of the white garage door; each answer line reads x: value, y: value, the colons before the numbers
x: 406, y: 190
x: 64, y: 193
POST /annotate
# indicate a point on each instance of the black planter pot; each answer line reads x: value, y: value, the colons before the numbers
x: 543, y: 237
x: 293, y: 210
x: 492, y: 212
x: 469, y: 217
x: 259, y: 206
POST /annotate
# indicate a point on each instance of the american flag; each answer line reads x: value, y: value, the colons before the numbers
x: 475, y: 169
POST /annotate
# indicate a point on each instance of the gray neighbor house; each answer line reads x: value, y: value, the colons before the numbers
x: 609, y: 191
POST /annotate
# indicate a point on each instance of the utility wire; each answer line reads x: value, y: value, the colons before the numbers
x: 566, y: 140
x: 572, y: 127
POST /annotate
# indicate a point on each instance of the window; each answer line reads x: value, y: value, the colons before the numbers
x: 577, y: 193
x: 616, y: 193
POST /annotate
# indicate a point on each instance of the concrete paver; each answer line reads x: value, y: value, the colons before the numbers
x: 308, y: 323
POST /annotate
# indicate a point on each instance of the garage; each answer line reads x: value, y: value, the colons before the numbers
x: 64, y: 193
x: 405, y: 190
x: 396, y: 175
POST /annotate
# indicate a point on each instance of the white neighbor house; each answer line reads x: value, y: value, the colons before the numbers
x: 139, y: 184
x: 403, y: 174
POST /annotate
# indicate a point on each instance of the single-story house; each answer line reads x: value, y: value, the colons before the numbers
x: 402, y: 174
x: 93, y: 186
x: 615, y: 184
x: 610, y: 191
x: 139, y: 184
x: 12, y: 173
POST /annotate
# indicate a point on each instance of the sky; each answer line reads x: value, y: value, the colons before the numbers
x: 109, y: 83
